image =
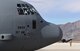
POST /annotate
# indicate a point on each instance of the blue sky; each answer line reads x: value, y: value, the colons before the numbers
x: 57, y: 11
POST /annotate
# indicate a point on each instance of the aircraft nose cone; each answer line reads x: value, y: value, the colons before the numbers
x: 52, y: 32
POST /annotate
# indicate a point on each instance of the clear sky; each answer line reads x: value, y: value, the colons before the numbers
x: 58, y: 11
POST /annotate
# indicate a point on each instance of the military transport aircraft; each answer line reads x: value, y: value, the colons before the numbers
x: 23, y: 29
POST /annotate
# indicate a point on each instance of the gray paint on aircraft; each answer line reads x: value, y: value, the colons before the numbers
x: 30, y: 39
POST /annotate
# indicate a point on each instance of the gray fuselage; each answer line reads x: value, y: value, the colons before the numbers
x: 22, y: 28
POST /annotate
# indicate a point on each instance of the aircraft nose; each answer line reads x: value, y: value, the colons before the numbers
x: 52, y: 32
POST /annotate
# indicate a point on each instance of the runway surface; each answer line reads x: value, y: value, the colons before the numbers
x: 62, y: 47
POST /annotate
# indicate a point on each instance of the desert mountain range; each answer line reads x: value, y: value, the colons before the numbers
x: 71, y: 30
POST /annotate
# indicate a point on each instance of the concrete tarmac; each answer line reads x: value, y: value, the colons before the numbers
x: 61, y: 47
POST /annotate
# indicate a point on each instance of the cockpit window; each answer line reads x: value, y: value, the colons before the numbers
x: 20, y: 11
x: 18, y: 5
x: 32, y: 11
x: 23, y: 5
x: 24, y: 9
x: 26, y: 5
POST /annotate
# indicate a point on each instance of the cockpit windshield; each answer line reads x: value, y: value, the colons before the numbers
x: 24, y: 9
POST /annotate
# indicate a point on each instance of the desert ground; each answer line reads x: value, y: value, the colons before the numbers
x: 61, y: 47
